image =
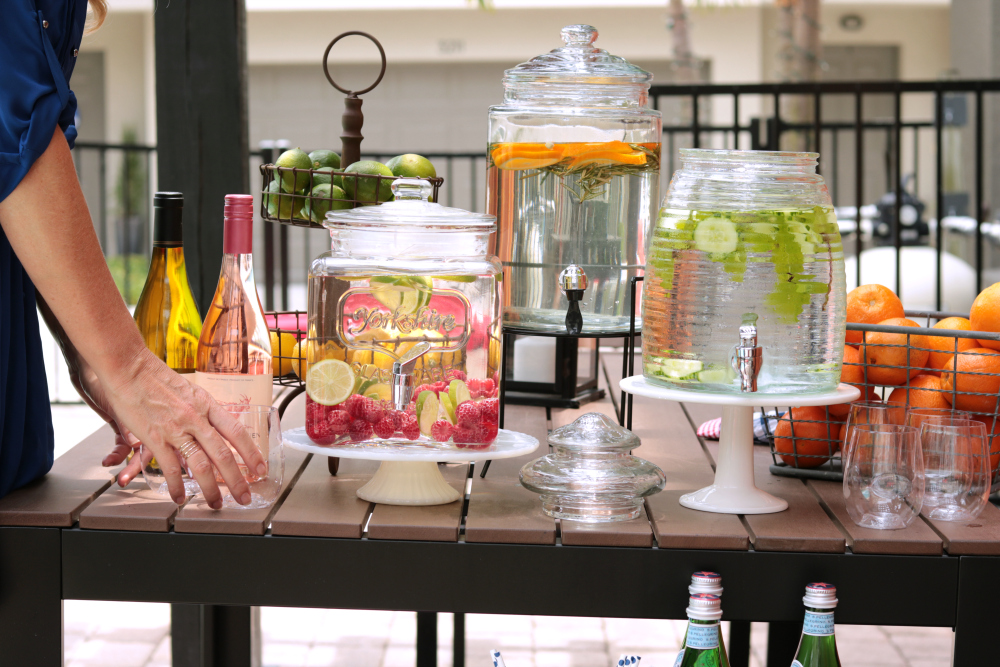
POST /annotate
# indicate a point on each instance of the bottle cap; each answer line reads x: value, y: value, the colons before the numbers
x: 820, y: 596
x: 167, y: 228
x: 238, y: 228
x: 705, y: 607
x: 706, y: 582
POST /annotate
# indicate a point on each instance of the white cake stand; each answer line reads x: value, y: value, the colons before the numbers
x: 734, y: 491
x: 409, y: 474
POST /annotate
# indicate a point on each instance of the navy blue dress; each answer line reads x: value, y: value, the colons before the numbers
x: 39, y: 42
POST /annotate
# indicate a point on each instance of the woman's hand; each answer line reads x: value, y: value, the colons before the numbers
x: 48, y: 225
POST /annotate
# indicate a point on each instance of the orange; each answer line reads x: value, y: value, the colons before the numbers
x: 871, y: 304
x: 843, y: 409
x: 816, y: 437
x: 888, y: 355
x: 993, y: 433
x: 922, y: 391
x: 978, y: 372
x: 985, y: 314
x: 944, y: 347
x: 852, y: 371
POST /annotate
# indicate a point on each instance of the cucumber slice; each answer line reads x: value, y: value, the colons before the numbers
x: 716, y: 235
x: 680, y: 369
x: 716, y: 376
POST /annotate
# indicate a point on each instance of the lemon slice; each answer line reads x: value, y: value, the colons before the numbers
x: 330, y: 382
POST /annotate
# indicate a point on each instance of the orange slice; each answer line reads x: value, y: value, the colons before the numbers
x: 602, y: 157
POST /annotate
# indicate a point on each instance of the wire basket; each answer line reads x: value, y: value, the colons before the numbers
x: 294, y: 209
x: 376, y: 359
x: 806, y: 442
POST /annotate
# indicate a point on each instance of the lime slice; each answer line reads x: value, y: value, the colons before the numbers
x: 458, y: 392
x: 330, y: 382
x: 448, y: 406
x: 428, y: 414
x: 379, y: 391
x: 406, y: 293
x: 458, y: 279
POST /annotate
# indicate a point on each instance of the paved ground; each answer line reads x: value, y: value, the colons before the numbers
x: 126, y: 634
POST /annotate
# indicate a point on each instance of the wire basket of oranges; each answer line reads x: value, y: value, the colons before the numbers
x: 914, y: 359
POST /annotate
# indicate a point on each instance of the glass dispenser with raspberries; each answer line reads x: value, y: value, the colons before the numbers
x: 403, y: 346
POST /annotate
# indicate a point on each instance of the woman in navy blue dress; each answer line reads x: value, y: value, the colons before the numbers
x: 49, y: 254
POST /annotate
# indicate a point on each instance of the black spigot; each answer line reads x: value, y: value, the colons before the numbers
x: 573, y: 281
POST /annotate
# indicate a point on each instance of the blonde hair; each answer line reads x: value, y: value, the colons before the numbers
x: 98, y: 10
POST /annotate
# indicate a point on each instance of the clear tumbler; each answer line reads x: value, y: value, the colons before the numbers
x: 883, y: 475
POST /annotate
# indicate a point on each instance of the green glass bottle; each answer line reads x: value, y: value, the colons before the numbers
x: 703, y: 640
x: 818, y: 646
x: 703, y: 582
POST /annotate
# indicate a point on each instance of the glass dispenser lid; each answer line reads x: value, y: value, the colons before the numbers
x: 411, y: 206
x: 578, y: 61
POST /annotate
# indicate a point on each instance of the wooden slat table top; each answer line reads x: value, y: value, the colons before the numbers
x: 323, y: 505
x: 980, y: 537
x: 917, y: 539
x: 76, y: 479
x: 436, y: 523
x: 136, y: 507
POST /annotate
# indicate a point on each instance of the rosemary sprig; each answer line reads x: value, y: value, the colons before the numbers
x: 594, y: 177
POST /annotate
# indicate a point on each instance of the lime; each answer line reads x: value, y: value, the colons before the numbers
x: 323, y: 198
x: 458, y: 279
x: 294, y: 181
x: 362, y: 189
x: 323, y: 175
x: 448, y: 406
x: 330, y: 382
x: 411, y: 165
x: 324, y: 158
x: 403, y: 293
x: 428, y: 414
x: 282, y: 206
x: 458, y: 392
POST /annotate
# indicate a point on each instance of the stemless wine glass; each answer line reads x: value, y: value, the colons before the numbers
x: 958, y: 468
x: 883, y: 475
x: 873, y: 412
x: 264, y: 427
x: 915, y: 417
x: 157, y: 481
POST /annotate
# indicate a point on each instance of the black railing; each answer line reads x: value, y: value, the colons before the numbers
x: 768, y: 130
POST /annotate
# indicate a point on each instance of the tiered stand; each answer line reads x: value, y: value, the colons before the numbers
x: 734, y: 491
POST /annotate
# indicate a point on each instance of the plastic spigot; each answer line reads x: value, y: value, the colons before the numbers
x: 402, y: 384
x: 748, y: 357
x: 573, y: 282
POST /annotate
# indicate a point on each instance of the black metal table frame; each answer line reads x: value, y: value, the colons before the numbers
x: 39, y: 567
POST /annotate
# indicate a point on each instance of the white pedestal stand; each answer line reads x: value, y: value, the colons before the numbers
x: 734, y: 491
x: 409, y: 474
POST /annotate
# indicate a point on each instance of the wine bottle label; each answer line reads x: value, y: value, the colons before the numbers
x: 680, y: 659
x: 702, y: 636
x: 818, y: 624
x: 235, y: 389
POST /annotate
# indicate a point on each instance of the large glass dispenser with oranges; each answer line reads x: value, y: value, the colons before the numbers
x: 574, y: 168
x: 403, y: 345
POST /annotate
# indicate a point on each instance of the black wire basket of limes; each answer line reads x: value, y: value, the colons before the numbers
x: 300, y: 188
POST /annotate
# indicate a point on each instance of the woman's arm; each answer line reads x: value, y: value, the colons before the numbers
x: 49, y: 227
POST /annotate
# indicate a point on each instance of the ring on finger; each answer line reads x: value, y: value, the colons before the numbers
x: 188, y: 449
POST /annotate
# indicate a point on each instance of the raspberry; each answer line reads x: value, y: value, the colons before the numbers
x: 423, y: 387
x: 339, y: 422
x: 489, y: 387
x: 490, y: 410
x: 411, y: 428
x: 360, y: 430
x: 464, y: 435
x: 373, y: 411
x: 455, y: 374
x: 319, y: 430
x: 398, y: 417
x: 354, y: 405
x: 475, y: 387
x: 441, y: 430
x: 487, y: 432
x: 385, y: 427
x: 468, y: 414
x: 440, y: 386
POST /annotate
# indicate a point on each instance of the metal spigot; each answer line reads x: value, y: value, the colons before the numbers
x: 402, y: 383
x: 748, y: 357
x: 573, y: 281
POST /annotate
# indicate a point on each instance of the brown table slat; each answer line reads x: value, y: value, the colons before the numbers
x: 135, y: 507
x: 76, y: 479
x: 500, y: 509
x: 974, y: 538
x: 197, y: 517
x: 436, y: 523
x: 321, y: 505
x: 804, y: 526
x: 917, y: 539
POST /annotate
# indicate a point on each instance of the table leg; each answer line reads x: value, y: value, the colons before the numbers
x: 782, y: 640
x: 978, y: 591
x: 31, y: 631
x: 458, y: 641
x: 739, y: 644
x: 427, y: 631
x: 204, y: 635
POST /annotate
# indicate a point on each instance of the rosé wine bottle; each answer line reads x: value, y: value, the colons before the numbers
x: 234, y: 351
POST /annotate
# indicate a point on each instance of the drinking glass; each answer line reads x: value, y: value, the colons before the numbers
x: 915, y: 417
x: 264, y: 427
x: 883, y: 475
x: 958, y: 468
x: 873, y: 412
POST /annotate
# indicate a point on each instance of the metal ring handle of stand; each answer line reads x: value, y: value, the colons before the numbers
x: 326, y: 69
